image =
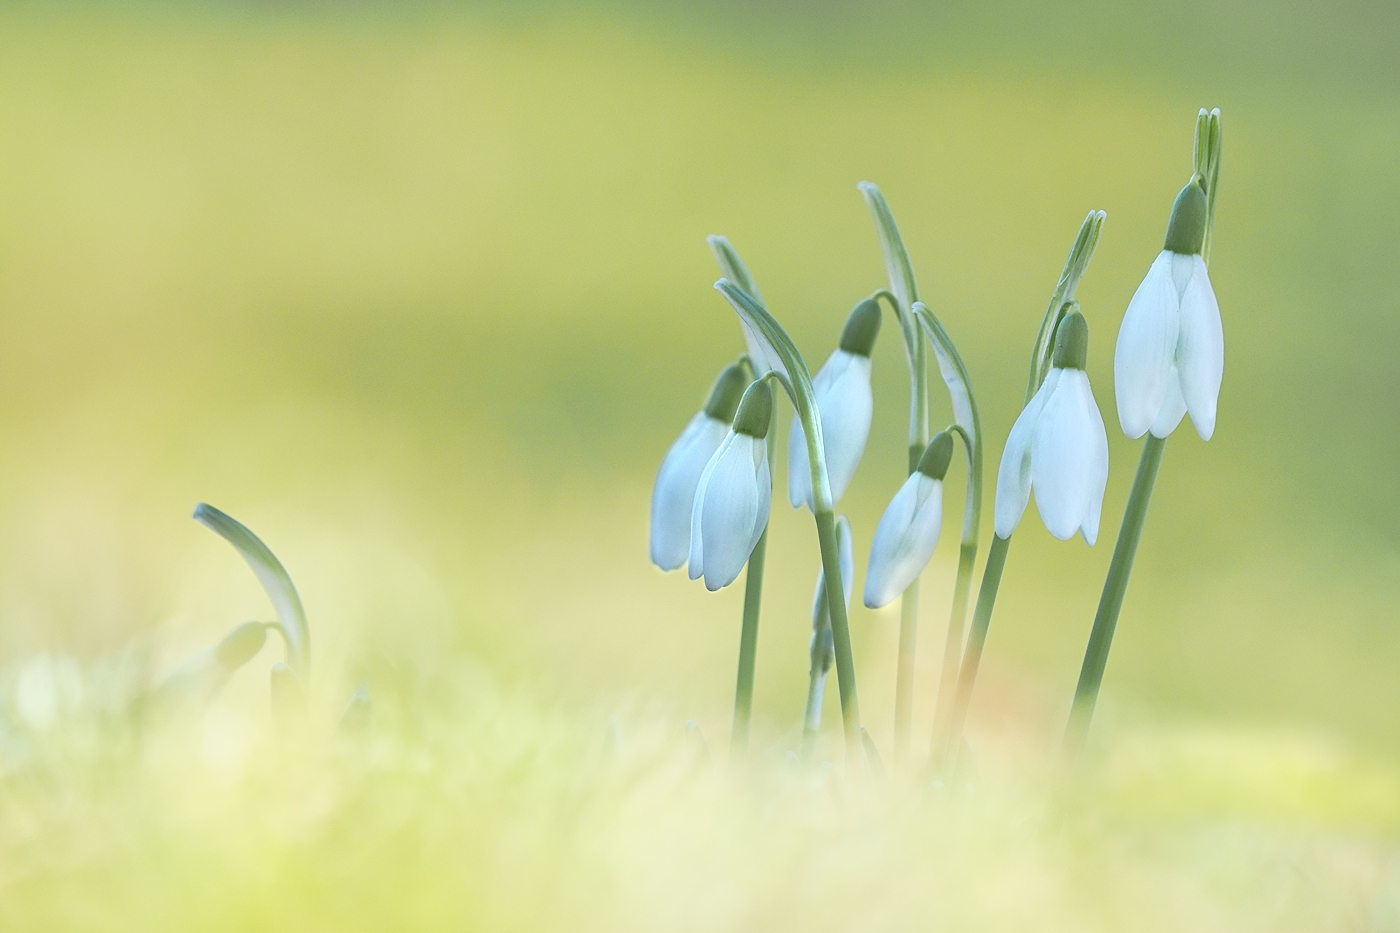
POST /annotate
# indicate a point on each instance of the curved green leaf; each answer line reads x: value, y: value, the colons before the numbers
x: 291, y: 617
x: 965, y: 414
x: 791, y: 371
x: 897, y: 267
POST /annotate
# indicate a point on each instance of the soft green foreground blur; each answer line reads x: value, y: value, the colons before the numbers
x: 423, y: 298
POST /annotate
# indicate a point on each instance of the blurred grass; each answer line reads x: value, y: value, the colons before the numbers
x: 423, y: 296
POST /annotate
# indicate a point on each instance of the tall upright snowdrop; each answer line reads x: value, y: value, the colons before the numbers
x: 1168, y: 362
x: 912, y: 314
x: 673, y: 496
x: 1058, y: 445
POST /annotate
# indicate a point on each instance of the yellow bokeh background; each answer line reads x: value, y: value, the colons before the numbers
x: 422, y: 296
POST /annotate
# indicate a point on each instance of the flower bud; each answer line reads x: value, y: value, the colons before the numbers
x: 1186, y: 231
x: 862, y: 327
x: 937, y: 455
x: 755, y: 411
x: 1071, y: 342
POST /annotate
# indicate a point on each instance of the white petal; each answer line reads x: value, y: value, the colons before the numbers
x: 1097, y: 468
x: 1014, y: 474
x: 733, y: 509
x: 1173, y: 408
x: 1146, y: 345
x: 904, y: 539
x: 1200, y: 351
x: 845, y: 405
x: 696, y: 564
x: 1063, y: 452
x: 673, y: 496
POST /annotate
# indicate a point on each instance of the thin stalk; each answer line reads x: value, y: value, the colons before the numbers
x: 812, y: 714
x: 1205, y: 166
x: 748, y: 648
x: 1106, y: 618
x: 953, y: 647
x: 909, y: 600
x: 972, y: 657
x: 840, y: 628
x: 748, y: 634
x: 796, y: 381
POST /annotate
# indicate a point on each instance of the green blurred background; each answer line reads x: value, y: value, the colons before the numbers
x: 423, y: 296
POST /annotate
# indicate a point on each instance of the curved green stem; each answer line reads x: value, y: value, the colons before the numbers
x: 972, y: 657
x: 796, y: 381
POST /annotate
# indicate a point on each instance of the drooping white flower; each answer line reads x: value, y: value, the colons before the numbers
x: 673, y: 496
x: 908, y: 531
x: 734, y: 495
x: 845, y: 405
x: 1171, y: 348
x: 1058, y: 446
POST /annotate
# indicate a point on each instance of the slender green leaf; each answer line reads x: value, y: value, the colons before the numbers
x: 1075, y: 266
x: 897, y: 267
x: 291, y: 617
x: 965, y: 414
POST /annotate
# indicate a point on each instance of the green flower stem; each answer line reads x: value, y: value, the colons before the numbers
x: 748, y: 634
x: 796, y: 381
x: 812, y: 713
x: 1206, y: 153
x: 1106, y: 618
x: 909, y: 600
x: 840, y: 628
x: 953, y: 646
x: 748, y: 648
x: 972, y: 657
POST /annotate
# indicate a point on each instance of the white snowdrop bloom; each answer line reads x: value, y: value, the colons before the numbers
x: 845, y: 405
x: 1058, y: 446
x: 1171, y: 348
x: 908, y: 531
x: 673, y: 496
x: 734, y: 495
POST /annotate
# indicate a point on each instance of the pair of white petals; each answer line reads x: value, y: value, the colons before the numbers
x: 1171, y: 350
x: 730, y: 510
x: 1059, y: 446
x: 846, y: 406
x: 904, y: 539
x: 673, y: 496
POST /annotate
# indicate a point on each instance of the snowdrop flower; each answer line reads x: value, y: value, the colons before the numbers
x: 845, y: 404
x: 1171, y: 350
x: 673, y: 496
x: 1058, y: 446
x: 734, y: 494
x: 908, y: 531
